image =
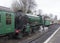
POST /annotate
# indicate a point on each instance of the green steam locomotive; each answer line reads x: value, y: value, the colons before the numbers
x: 17, y: 24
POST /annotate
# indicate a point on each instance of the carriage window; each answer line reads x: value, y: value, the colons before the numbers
x: 8, y: 18
x: 0, y: 18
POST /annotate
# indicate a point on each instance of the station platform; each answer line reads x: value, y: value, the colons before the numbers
x: 55, y: 37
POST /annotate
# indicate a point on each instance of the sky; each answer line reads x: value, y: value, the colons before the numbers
x: 47, y: 6
x: 6, y: 3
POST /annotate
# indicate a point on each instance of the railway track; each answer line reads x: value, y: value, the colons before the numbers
x: 31, y: 39
x: 45, y: 33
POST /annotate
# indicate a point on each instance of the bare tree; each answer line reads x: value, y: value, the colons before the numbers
x: 16, y: 5
x: 51, y: 15
x: 40, y: 11
x: 24, y: 5
x: 55, y: 17
x: 31, y: 5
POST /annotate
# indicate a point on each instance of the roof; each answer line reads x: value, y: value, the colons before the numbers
x: 5, y: 9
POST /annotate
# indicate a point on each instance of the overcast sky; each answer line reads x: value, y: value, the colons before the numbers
x: 47, y: 6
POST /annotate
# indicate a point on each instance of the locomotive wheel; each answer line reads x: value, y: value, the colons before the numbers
x: 30, y: 32
x: 10, y: 36
x: 15, y: 36
x: 34, y: 29
x: 20, y: 36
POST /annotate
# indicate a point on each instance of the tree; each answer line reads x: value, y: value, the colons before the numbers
x: 51, y: 15
x: 40, y: 11
x: 17, y: 5
x: 24, y: 5
x: 31, y: 5
x: 55, y: 18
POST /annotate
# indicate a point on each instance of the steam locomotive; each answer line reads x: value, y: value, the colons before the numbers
x: 17, y: 24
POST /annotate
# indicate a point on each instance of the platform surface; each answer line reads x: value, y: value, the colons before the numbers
x: 55, y: 38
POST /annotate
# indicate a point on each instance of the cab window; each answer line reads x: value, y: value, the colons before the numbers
x: 8, y: 18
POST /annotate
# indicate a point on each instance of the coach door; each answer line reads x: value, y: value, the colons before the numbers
x: 9, y: 24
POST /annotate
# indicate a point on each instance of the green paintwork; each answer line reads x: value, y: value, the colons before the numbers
x: 35, y: 20
x: 4, y: 28
x: 47, y: 22
x: 28, y: 28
